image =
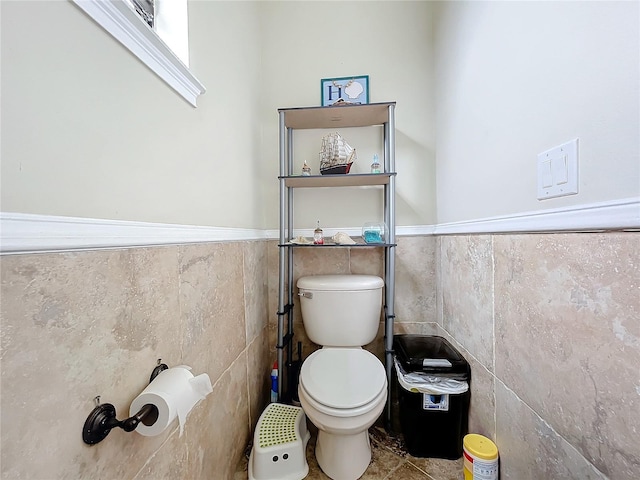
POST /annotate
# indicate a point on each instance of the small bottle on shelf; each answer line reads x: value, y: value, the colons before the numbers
x: 318, y: 237
x: 375, y: 166
x: 306, y: 169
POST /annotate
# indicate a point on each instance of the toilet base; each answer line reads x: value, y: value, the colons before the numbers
x: 330, y: 454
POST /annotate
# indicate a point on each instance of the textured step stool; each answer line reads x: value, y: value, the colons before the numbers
x: 279, y: 444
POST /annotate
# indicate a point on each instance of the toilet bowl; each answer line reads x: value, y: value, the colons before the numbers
x: 343, y: 391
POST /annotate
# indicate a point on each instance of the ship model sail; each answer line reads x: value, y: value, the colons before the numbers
x: 336, y: 155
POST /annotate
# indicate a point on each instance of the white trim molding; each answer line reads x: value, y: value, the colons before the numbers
x: 117, y: 18
x: 621, y: 214
x: 29, y: 233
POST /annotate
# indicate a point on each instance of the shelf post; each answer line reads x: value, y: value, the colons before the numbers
x: 390, y: 255
x: 289, y: 270
x: 281, y: 257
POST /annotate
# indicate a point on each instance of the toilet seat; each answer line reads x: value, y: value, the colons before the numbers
x: 347, y: 413
x: 343, y: 381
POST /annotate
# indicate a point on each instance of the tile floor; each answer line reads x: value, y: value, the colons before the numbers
x: 389, y: 461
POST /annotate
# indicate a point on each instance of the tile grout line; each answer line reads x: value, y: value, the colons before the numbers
x: 493, y: 326
x: 246, y: 339
x: 404, y: 459
x: 427, y: 475
x: 549, y: 426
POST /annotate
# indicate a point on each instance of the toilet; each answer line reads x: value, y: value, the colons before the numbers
x: 342, y: 388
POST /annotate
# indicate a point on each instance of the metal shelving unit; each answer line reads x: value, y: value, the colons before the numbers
x: 292, y: 119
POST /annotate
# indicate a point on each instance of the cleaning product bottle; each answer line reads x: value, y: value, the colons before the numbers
x: 274, y: 382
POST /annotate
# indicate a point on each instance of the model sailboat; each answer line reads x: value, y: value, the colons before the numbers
x: 336, y: 155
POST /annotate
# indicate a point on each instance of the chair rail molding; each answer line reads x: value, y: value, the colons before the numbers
x: 117, y: 18
x: 623, y: 214
x: 32, y: 233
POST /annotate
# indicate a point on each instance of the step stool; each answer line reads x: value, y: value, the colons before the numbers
x: 279, y: 444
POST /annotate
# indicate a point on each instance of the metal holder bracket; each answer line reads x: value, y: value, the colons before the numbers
x: 102, y: 418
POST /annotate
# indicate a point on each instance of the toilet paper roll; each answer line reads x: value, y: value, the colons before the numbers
x: 174, y: 392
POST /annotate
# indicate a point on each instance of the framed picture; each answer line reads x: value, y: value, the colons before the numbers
x: 347, y: 90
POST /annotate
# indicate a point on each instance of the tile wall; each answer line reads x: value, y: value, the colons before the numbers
x: 77, y: 325
x: 549, y: 323
x: 551, y: 326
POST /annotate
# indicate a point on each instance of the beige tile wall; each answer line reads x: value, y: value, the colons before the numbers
x: 551, y: 326
x: 77, y: 325
x: 549, y: 323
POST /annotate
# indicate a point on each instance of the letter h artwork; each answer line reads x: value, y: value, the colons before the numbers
x: 345, y: 90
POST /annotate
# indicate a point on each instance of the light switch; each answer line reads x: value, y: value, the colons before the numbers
x: 558, y: 171
x: 547, y: 177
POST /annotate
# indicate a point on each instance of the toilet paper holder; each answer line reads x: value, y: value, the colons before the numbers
x: 102, y: 418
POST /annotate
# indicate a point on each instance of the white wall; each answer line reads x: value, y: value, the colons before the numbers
x: 517, y: 78
x: 89, y: 131
x: 304, y: 42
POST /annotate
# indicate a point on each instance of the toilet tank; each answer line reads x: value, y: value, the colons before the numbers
x: 341, y: 310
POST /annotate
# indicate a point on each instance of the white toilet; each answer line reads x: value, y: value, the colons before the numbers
x: 343, y: 388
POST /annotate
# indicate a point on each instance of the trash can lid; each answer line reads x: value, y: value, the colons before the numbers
x: 431, y: 383
x: 429, y: 353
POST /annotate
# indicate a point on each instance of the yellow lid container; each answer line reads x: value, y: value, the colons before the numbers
x: 480, y: 447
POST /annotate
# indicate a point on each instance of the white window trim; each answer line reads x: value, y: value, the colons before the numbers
x: 117, y: 18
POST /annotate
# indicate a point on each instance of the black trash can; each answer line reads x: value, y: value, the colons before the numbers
x: 432, y: 398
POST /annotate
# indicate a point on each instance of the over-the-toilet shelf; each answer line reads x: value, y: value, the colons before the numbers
x: 334, y: 118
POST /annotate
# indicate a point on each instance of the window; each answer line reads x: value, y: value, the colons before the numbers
x: 165, y: 50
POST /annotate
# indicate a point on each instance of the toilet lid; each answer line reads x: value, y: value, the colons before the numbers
x: 343, y: 377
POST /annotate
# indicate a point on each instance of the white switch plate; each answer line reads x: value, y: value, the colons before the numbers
x: 558, y: 171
